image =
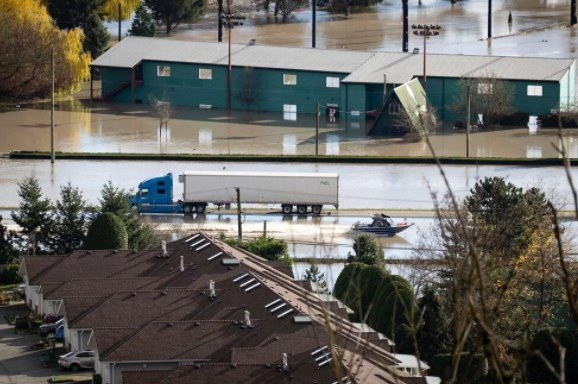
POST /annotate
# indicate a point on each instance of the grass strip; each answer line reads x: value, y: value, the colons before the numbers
x: 37, y: 155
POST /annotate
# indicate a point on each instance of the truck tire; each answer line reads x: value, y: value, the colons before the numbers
x: 187, y: 208
x: 287, y: 208
x: 302, y: 209
x: 201, y: 208
x: 316, y: 209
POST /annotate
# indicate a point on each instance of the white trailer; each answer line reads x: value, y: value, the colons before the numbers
x: 299, y: 190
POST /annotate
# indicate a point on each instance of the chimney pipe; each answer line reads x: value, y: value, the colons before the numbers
x: 285, y: 363
x: 247, y: 318
x: 182, y: 266
x: 212, y: 293
x: 164, y: 247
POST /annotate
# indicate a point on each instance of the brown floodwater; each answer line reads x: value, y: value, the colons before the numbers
x: 123, y: 128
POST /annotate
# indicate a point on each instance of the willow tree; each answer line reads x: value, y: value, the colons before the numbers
x: 27, y: 36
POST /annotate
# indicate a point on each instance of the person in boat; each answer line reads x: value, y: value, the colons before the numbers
x: 381, y: 220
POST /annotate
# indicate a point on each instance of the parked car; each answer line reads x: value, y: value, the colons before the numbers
x: 47, y: 329
x: 77, y: 360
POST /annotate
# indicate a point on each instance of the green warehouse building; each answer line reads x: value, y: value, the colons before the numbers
x: 349, y: 84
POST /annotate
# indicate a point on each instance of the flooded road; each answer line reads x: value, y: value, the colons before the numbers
x: 360, y: 186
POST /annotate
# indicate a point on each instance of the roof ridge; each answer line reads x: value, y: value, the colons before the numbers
x: 52, y: 266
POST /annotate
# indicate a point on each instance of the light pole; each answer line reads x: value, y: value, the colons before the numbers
x: 229, y: 20
x: 425, y: 31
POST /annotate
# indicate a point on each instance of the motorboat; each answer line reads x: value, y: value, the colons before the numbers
x: 381, y: 225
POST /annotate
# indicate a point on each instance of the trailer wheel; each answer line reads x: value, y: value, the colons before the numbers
x: 187, y: 208
x: 201, y: 208
x: 301, y: 209
x: 287, y: 208
x: 316, y: 209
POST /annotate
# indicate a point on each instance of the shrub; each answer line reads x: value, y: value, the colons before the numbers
x: 471, y: 369
x: 107, y: 231
x: 519, y: 119
x: 266, y: 247
x: 10, y: 274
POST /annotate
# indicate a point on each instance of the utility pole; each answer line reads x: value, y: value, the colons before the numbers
x: 52, y: 114
x: 573, y: 12
x: 314, y: 19
x: 229, y: 20
x: 425, y: 31
x: 405, y: 42
x: 489, y: 19
x: 384, y: 88
x: 220, y: 20
x: 317, y: 132
x: 239, y: 226
x: 468, y: 101
x: 119, y: 19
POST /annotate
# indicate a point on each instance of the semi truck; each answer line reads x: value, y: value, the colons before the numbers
x: 300, y: 192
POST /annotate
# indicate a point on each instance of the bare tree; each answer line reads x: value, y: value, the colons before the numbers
x: 417, y: 123
x: 489, y: 96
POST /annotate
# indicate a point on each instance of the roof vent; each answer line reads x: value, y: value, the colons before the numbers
x: 302, y: 319
x: 415, y: 51
x: 164, y: 247
x: 322, y: 356
x: 252, y: 42
x: 197, y: 243
x: 203, y: 247
x: 247, y: 321
x: 214, y: 257
x: 182, y: 266
x: 212, y: 293
x: 231, y: 261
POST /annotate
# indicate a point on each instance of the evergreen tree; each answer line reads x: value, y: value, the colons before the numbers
x: 143, y: 23
x: 174, y: 12
x: 7, y: 251
x: 433, y: 333
x: 117, y: 201
x: 96, y: 36
x: 70, y: 14
x: 34, y: 217
x: 312, y: 274
x: 367, y: 251
x: 70, y: 221
x: 107, y: 231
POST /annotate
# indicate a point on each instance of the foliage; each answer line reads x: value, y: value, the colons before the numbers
x: 70, y: 220
x: 417, y: 126
x: 143, y: 23
x: 96, y: 36
x: 433, y: 330
x: 367, y: 251
x: 109, y: 9
x: 10, y: 274
x: 266, y: 247
x: 7, y: 251
x: 472, y: 367
x: 69, y: 14
x: 174, y: 12
x: 382, y: 300
x: 549, y: 342
x: 287, y: 7
x: 107, y: 231
x: 34, y: 217
x: 27, y: 36
x: 117, y: 201
x: 312, y: 274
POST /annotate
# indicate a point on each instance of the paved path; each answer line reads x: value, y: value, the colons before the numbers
x: 19, y: 363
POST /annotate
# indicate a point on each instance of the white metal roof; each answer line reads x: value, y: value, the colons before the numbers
x: 361, y: 66
x: 132, y: 50
x: 261, y: 174
x: 402, y: 67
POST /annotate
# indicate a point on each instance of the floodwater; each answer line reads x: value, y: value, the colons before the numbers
x: 537, y: 29
x: 82, y: 126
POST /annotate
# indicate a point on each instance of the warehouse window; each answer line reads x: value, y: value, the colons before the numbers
x: 485, y: 89
x: 534, y: 90
x: 205, y: 74
x: 289, y: 79
x: 332, y: 82
x: 290, y: 112
x: 163, y: 71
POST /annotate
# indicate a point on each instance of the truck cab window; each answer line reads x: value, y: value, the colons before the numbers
x: 160, y: 191
x: 144, y: 192
x: 161, y: 183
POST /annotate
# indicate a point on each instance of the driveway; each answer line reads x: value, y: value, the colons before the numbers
x: 19, y: 363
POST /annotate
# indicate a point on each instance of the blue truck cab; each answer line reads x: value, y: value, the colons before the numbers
x: 155, y: 195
